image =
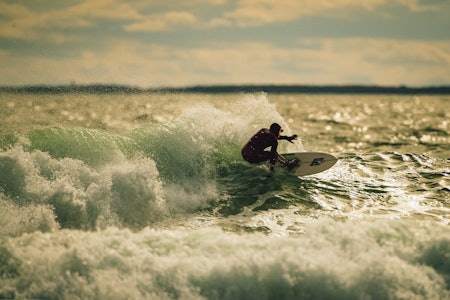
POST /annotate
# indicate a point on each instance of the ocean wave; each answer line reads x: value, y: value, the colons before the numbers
x: 150, y: 183
x: 90, y: 179
x: 339, y: 260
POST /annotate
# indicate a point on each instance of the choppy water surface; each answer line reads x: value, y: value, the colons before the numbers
x: 146, y: 196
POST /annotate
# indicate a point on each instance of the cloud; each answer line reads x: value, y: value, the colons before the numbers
x: 162, y: 22
x: 75, y: 41
x: 384, y: 61
x: 260, y: 12
x: 423, y: 5
x: 314, y: 61
x: 16, y: 20
x: 26, y: 22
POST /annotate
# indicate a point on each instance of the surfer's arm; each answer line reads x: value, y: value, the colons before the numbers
x: 288, y: 138
x: 274, y: 153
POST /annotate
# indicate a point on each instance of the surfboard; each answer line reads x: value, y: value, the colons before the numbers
x: 311, y: 162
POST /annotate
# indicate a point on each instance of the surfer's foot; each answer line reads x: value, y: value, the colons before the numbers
x: 292, y: 163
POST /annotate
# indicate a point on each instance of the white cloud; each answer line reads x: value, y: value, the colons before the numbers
x: 162, y: 22
x: 260, y: 12
x: 330, y: 61
x: 22, y: 22
x: 417, y: 5
x: 384, y: 61
x: 124, y: 58
x: 16, y: 21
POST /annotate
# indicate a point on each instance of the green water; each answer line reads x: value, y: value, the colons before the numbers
x: 147, y: 196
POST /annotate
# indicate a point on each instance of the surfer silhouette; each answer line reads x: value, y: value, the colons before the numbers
x: 255, y: 149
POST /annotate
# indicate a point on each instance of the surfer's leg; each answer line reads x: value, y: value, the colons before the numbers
x: 281, y: 159
x: 255, y: 157
x: 289, y: 164
x: 264, y: 156
x: 292, y: 163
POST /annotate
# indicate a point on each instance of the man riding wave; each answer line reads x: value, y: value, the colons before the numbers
x: 254, y: 150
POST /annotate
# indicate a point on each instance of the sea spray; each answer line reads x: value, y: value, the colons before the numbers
x: 162, y: 206
x: 339, y: 260
x: 82, y: 197
x: 93, y: 147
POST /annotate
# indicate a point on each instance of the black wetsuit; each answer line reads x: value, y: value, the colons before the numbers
x: 254, y: 150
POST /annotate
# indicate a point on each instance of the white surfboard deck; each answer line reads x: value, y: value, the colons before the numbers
x: 311, y: 162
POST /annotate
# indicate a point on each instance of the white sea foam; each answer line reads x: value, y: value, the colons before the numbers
x: 350, y: 260
x: 155, y: 201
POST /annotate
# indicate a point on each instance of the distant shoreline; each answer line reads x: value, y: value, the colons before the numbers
x: 227, y: 89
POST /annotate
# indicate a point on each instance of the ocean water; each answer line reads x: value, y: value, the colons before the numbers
x: 147, y: 197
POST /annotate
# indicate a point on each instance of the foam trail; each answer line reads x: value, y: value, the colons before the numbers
x: 380, y: 260
x: 124, y: 194
x: 91, y: 179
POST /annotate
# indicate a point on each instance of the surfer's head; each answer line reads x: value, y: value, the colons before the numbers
x: 275, y: 128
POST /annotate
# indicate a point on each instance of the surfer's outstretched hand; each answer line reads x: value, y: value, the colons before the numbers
x: 292, y: 137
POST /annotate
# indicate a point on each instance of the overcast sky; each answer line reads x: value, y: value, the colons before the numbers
x: 180, y: 43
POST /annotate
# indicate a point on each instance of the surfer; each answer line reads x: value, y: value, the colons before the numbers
x: 254, y: 151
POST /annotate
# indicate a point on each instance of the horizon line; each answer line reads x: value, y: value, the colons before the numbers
x: 229, y: 88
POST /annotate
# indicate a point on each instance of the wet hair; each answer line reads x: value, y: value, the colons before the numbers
x: 275, y: 128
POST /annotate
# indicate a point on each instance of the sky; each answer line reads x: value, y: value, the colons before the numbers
x: 157, y: 43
